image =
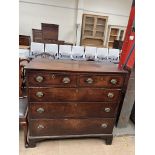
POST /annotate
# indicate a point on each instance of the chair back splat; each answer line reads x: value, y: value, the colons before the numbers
x: 65, y: 51
x: 90, y: 53
x: 78, y: 53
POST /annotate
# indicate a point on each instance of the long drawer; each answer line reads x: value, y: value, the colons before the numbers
x: 58, y: 127
x: 73, y: 94
x: 47, y: 78
x: 44, y: 110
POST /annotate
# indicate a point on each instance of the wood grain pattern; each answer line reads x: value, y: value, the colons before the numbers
x: 24, y: 40
x: 101, y: 81
x: 70, y: 127
x: 72, y: 110
x: 73, y: 94
x: 51, y: 79
x: 73, y: 66
x: 37, y: 35
x: 50, y: 31
x: 80, y: 80
x: 79, y: 108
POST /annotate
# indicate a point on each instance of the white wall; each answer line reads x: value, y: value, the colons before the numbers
x: 63, y: 12
x: 32, y: 15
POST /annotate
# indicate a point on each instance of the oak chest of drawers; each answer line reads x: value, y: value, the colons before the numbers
x: 73, y: 99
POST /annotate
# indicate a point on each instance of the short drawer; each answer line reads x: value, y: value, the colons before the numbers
x: 107, y: 81
x: 73, y: 94
x: 71, y: 110
x: 58, y: 127
x: 40, y: 78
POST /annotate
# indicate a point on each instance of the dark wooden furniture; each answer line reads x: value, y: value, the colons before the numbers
x: 117, y: 44
x: 37, y: 35
x: 23, y: 108
x: 48, y: 34
x: 50, y: 41
x: 49, y: 31
x: 22, y: 63
x: 24, y: 40
x: 132, y: 116
x: 73, y: 99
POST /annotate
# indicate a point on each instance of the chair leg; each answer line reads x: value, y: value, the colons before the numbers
x: 25, y: 129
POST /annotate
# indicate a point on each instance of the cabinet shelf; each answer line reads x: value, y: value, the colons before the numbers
x: 88, y: 30
x: 89, y: 23
x: 93, y: 30
x: 100, y: 25
x: 100, y: 31
x: 113, y: 35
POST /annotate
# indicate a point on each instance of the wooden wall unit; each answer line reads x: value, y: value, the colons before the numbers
x: 93, y: 30
x: 37, y: 35
x: 50, y: 31
x: 48, y: 34
x: 24, y: 40
x: 115, y: 33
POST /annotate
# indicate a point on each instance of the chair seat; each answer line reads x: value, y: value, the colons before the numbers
x: 23, y: 103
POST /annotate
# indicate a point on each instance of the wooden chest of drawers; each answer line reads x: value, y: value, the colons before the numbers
x: 73, y: 99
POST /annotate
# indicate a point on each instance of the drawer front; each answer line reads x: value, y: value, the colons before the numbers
x: 51, y: 78
x: 71, y: 110
x: 58, y: 127
x: 73, y: 94
x: 108, y: 81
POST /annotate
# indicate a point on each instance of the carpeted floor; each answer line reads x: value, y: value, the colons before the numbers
x: 124, y: 145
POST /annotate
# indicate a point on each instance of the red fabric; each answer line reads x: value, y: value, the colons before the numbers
x: 127, y: 44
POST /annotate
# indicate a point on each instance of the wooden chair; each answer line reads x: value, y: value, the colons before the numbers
x: 102, y: 54
x: 22, y: 63
x: 52, y: 49
x: 23, y: 103
x: 90, y: 53
x: 23, y: 108
x: 44, y: 55
x: 113, y: 55
x: 36, y: 48
x: 78, y: 53
x: 65, y: 52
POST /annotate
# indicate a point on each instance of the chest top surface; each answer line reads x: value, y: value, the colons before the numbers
x: 72, y: 66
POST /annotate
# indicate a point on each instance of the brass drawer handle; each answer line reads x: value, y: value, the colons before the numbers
x: 110, y: 95
x: 107, y: 109
x: 40, y: 110
x: 40, y: 126
x: 113, y: 81
x: 104, y: 125
x: 39, y: 79
x: 39, y: 94
x: 89, y: 80
x: 66, y: 80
